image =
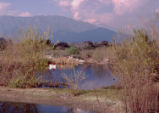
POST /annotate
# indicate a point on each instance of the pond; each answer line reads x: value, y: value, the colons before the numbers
x: 8, y: 107
x: 95, y: 76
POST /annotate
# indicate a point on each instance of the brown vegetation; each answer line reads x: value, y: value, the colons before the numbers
x: 21, y: 60
x: 136, y: 61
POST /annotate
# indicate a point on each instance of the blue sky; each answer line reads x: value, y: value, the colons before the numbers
x: 110, y: 13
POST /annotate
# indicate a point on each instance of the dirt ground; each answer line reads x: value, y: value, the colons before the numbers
x: 58, y: 97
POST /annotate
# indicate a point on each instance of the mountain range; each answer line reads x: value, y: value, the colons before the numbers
x: 62, y: 28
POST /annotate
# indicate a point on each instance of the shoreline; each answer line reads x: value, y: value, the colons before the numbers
x: 59, y: 97
x: 76, y: 61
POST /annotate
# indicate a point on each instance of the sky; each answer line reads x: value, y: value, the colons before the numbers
x: 108, y: 13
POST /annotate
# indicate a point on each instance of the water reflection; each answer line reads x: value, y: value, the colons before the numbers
x: 97, y: 76
x: 8, y: 107
x: 17, y: 108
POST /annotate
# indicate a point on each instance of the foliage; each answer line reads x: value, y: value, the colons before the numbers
x: 72, y: 51
x: 3, y: 43
x: 99, y: 54
x: 139, y: 56
x: 23, y: 59
x: 136, y: 61
x: 22, y: 82
x: 74, y: 79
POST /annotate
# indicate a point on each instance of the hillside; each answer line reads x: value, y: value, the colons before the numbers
x: 63, y: 29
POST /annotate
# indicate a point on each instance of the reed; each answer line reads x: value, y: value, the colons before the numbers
x: 135, y: 63
x: 22, y: 59
x: 74, y: 80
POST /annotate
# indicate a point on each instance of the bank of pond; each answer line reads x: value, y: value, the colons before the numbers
x: 90, y: 80
x: 10, y: 107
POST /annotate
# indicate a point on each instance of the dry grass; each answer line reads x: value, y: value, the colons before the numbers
x: 75, y: 79
x: 99, y: 54
x: 135, y: 63
x: 23, y: 59
x: 65, y: 61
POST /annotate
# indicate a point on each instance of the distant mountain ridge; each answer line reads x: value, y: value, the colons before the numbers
x: 63, y: 28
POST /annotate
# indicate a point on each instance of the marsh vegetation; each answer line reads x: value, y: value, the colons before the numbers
x: 21, y: 60
x: 135, y: 63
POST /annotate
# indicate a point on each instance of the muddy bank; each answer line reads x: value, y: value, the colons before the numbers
x: 76, y: 61
x: 86, y: 100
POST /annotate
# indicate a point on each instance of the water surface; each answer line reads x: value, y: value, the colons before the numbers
x: 96, y: 76
x: 8, y: 107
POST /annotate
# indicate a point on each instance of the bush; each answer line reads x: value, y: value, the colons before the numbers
x: 3, y: 43
x: 101, y: 53
x: 23, y: 59
x: 72, y: 51
x: 135, y: 62
x: 74, y: 81
x: 22, y: 82
x: 138, y: 56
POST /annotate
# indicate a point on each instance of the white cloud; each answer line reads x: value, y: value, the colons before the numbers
x: 115, y: 13
x: 64, y: 3
x: 76, y: 3
x: 6, y: 9
x: 76, y: 16
x: 126, y: 6
x: 25, y: 14
x: 4, y: 6
x: 17, y: 13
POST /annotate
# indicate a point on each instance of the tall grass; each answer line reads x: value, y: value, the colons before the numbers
x: 74, y: 80
x: 136, y: 61
x: 72, y: 51
x: 102, y: 53
x: 99, y: 54
x: 23, y: 59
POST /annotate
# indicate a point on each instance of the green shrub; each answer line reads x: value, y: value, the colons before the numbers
x: 22, y: 82
x: 72, y: 51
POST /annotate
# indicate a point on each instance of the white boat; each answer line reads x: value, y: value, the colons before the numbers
x: 52, y: 66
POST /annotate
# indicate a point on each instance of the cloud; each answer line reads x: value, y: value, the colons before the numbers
x: 6, y: 9
x: 4, y: 6
x: 90, y: 20
x: 25, y: 14
x: 76, y: 3
x: 64, y: 3
x: 76, y: 16
x: 156, y: 10
x: 115, y: 13
x: 72, y: 5
x: 17, y: 13
x: 86, y: 10
x: 126, y: 6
